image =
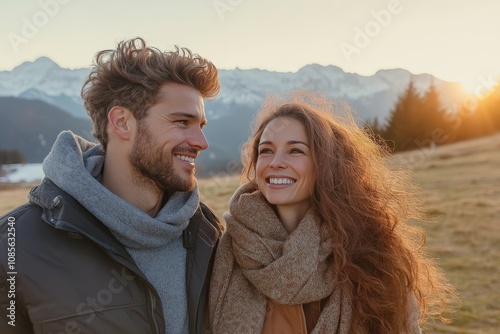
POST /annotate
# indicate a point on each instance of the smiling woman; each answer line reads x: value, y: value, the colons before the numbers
x: 285, y: 170
x: 317, y: 237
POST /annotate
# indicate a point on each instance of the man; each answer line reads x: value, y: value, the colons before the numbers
x: 115, y: 239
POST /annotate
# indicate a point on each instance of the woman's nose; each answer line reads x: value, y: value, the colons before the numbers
x: 278, y: 161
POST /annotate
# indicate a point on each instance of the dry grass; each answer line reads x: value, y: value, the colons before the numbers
x: 461, y: 184
x: 12, y: 195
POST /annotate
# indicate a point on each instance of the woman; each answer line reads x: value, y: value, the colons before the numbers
x: 317, y: 240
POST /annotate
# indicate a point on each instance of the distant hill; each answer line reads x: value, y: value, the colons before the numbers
x: 32, y: 126
x: 45, y: 80
x: 230, y: 113
x: 372, y: 96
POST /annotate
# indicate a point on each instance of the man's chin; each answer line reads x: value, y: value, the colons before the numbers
x: 186, y: 176
x: 183, y: 184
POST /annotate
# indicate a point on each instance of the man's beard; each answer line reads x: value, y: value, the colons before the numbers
x: 152, y: 165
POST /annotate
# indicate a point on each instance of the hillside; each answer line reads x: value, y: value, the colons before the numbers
x: 32, y: 126
x: 230, y: 113
x: 372, y: 96
x: 461, y: 187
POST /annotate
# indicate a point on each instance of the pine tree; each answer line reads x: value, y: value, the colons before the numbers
x: 490, y: 105
x: 483, y: 120
x: 432, y: 126
x: 471, y: 122
x: 401, y: 127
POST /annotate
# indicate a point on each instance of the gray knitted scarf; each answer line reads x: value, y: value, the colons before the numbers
x: 75, y: 165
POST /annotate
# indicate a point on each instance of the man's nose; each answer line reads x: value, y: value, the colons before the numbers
x: 198, y: 140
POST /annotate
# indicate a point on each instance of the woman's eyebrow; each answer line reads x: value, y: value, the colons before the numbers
x: 290, y: 142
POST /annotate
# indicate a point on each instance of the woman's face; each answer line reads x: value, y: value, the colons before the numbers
x: 284, y: 168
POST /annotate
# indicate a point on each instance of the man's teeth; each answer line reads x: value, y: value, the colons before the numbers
x: 185, y: 158
x: 281, y: 181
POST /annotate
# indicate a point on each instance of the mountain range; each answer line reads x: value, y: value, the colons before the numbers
x: 231, y: 112
x: 31, y: 126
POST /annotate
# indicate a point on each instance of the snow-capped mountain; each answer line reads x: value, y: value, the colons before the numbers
x: 44, y: 75
x: 242, y: 92
x: 372, y: 96
x: 44, y: 80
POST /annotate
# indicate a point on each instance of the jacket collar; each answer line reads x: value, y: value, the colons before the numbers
x: 63, y: 212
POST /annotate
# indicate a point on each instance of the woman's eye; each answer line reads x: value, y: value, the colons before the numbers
x: 296, y: 150
x: 264, y: 151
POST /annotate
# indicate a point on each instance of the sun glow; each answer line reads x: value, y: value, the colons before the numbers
x: 482, y: 85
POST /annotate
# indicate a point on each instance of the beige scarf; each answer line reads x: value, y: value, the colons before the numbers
x: 257, y: 259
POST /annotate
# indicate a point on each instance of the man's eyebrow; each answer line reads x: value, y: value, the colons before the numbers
x: 183, y: 114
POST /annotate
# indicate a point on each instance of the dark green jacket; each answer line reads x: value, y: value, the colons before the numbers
x: 69, y: 274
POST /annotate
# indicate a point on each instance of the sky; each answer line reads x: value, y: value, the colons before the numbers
x: 455, y: 40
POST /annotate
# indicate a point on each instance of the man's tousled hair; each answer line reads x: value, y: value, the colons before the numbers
x: 132, y: 75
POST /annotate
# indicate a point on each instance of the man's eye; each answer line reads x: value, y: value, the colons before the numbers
x: 183, y: 122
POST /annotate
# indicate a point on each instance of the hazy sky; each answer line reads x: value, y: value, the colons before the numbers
x: 455, y: 40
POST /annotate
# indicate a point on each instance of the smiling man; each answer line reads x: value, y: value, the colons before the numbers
x: 115, y: 239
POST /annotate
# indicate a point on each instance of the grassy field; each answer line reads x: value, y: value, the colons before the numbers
x: 461, y: 184
x: 462, y: 189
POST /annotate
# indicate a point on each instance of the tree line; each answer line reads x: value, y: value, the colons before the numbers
x: 419, y: 121
x: 11, y: 157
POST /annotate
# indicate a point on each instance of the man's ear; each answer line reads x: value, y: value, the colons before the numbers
x: 121, y: 122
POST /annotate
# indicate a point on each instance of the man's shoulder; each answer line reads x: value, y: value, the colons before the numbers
x: 18, y: 236
x: 211, y: 216
x: 19, y: 218
x: 204, y: 225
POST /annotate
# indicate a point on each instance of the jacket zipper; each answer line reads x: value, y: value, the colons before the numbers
x: 153, y: 307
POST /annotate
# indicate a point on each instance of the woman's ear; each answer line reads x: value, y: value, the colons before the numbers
x: 120, y: 121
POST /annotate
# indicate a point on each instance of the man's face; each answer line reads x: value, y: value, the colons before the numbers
x: 169, y: 139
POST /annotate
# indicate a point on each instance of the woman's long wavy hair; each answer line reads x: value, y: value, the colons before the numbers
x: 377, y: 254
